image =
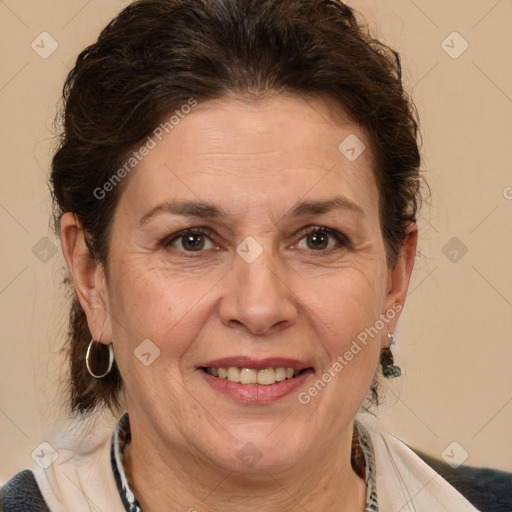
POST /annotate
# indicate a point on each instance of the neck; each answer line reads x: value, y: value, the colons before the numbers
x: 164, y: 476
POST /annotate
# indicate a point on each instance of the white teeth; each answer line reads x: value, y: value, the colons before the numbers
x: 248, y: 376
x: 264, y: 377
x: 233, y: 374
x: 280, y: 373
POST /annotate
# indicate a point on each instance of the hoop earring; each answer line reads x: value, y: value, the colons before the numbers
x: 97, y: 361
x: 389, y: 369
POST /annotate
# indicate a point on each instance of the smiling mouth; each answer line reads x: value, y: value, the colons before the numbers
x: 263, y: 377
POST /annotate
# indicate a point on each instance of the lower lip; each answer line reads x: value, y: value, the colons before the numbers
x: 256, y: 393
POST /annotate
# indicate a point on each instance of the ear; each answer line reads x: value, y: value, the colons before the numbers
x: 88, y: 278
x: 398, y: 281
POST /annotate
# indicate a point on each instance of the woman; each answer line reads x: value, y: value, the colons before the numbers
x: 236, y: 192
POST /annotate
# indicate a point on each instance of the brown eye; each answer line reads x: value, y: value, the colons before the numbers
x: 317, y: 241
x: 190, y: 240
x: 322, y: 238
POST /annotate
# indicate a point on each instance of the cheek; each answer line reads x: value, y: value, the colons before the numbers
x: 152, y: 302
x: 348, y: 303
x: 345, y: 323
x: 346, y: 316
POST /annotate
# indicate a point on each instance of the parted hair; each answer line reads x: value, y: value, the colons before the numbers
x: 156, y: 55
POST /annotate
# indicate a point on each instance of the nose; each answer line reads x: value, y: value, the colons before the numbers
x: 258, y: 297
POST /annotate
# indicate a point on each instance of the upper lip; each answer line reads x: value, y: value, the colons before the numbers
x: 257, y: 364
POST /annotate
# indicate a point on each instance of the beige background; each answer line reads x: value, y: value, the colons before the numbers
x: 454, y: 341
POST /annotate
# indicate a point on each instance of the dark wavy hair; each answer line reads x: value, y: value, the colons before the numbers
x: 157, y: 54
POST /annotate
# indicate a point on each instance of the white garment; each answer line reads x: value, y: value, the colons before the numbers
x: 405, y: 483
x: 81, y: 478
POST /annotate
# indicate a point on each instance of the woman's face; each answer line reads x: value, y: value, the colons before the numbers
x: 282, y: 265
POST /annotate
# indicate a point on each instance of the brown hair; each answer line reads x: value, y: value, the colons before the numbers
x: 158, y: 54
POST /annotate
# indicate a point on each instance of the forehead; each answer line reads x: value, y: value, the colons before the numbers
x: 248, y: 153
x: 269, y: 128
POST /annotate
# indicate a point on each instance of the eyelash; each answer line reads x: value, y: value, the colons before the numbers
x: 313, y: 230
x: 166, y: 242
x: 310, y: 230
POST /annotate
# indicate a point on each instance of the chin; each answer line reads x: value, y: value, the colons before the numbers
x: 260, y: 452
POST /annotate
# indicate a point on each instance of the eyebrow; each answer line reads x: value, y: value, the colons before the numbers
x: 210, y: 211
x: 319, y: 207
x: 188, y: 209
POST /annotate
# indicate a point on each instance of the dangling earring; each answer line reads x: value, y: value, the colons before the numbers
x: 99, y: 359
x: 389, y: 369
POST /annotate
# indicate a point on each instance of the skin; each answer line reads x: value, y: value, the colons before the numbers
x: 256, y: 161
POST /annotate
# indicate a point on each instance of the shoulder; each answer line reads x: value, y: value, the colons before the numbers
x: 408, y: 479
x: 80, y: 473
x: 21, y: 493
x: 489, y: 490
